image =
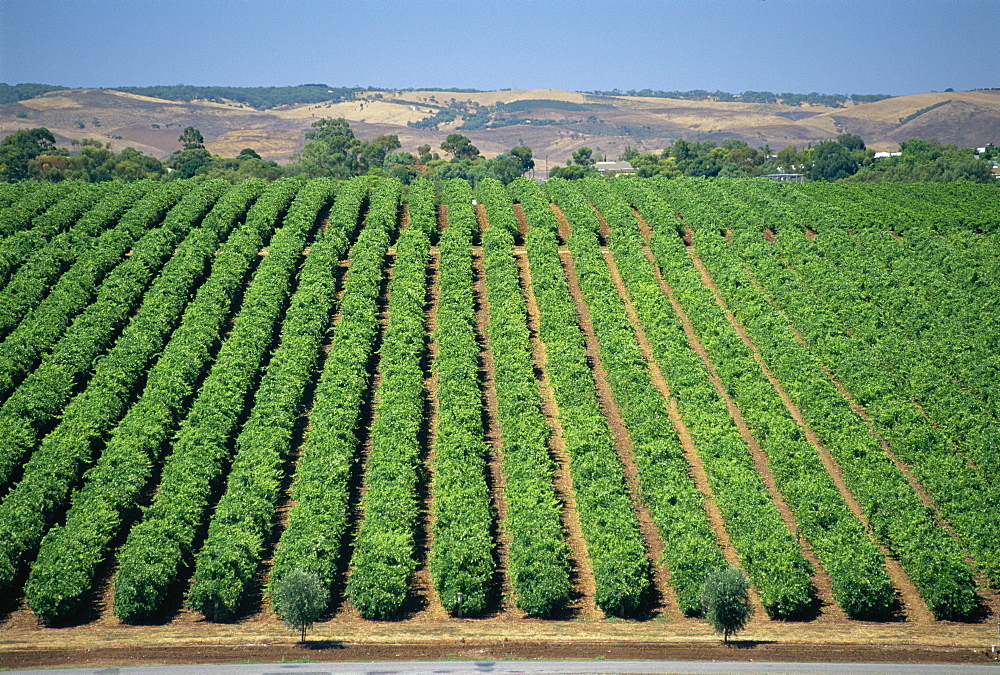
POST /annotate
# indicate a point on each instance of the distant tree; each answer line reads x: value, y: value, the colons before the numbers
x: 744, y: 158
x: 725, y: 601
x: 52, y: 168
x: 628, y: 154
x: 387, y: 142
x: 372, y: 153
x: 330, y: 150
x: 650, y: 164
x: 682, y: 150
x: 522, y: 154
x: 700, y: 158
x: 406, y: 158
x: 300, y: 599
x: 186, y: 163
x: 330, y: 130
x: 192, y: 139
x: 248, y: 164
x: 248, y: 153
x: 918, y: 147
x: 790, y: 160
x: 502, y: 167
x: 505, y: 168
x: 22, y: 146
x: 707, y: 163
x: 460, y: 146
x: 583, y: 156
x: 573, y: 172
x: 832, y: 161
x: 94, y: 162
x: 758, y: 97
x: 133, y: 165
x: 405, y: 174
x: 851, y: 141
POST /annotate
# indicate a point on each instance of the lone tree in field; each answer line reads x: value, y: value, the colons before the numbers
x: 192, y: 139
x: 584, y: 156
x: 725, y: 601
x: 301, y: 598
x: 460, y: 146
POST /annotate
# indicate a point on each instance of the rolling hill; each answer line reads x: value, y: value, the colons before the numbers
x: 552, y: 122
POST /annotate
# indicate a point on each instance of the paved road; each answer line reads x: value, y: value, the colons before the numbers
x: 533, y: 668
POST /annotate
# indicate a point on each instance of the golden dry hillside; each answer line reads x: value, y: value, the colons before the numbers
x: 552, y: 122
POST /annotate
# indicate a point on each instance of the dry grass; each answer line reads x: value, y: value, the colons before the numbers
x: 272, y: 145
x: 20, y: 630
x: 973, y: 118
x: 490, y: 97
x: 892, y: 109
x: 375, y: 112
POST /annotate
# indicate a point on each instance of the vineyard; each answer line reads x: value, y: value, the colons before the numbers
x: 559, y: 401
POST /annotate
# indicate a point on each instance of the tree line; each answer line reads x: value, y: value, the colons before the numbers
x: 844, y: 158
x: 333, y: 150
x: 12, y: 93
x: 788, y: 98
x: 260, y: 98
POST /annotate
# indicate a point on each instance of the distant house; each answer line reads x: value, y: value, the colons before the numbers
x: 883, y: 155
x: 996, y: 172
x: 613, y: 168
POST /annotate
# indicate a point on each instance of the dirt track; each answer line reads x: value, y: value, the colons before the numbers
x: 325, y: 651
x: 187, y: 638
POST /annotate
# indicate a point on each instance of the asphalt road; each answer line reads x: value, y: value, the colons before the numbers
x: 532, y: 668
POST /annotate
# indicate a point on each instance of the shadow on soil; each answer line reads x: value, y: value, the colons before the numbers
x: 320, y: 645
x: 748, y: 644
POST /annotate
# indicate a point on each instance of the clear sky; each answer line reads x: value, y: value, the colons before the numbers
x: 829, y: 46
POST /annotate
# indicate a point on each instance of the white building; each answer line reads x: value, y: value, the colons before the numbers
x: 612, y: 168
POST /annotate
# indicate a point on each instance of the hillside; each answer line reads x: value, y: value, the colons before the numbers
x: 552, y: 122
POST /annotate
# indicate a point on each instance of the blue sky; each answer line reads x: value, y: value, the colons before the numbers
x: 830, y: 46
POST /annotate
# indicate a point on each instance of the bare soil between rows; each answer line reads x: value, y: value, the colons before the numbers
x: 505, y: 634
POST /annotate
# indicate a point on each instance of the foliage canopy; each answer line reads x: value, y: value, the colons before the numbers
x: 725, y: 601
x: 300, y: 599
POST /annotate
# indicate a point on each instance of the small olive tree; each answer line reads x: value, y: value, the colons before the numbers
x: 300, y: 599
x: 725, y: 601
